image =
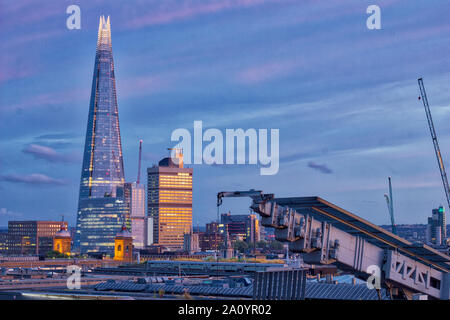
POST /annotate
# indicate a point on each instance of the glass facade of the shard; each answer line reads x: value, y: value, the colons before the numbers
x: 103, y: 205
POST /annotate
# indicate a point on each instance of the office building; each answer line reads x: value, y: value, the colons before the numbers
x: 102, y: 205
x: 436, y: 232
x: 212, y: 239
x: 241, y: 226
x: 169, y: 202
x: 135, y: 193
x: 149, y: 224
x: 31, y: 237
x: 3, y: 242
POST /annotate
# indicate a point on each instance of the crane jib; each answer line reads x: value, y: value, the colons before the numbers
x: 435, y: 140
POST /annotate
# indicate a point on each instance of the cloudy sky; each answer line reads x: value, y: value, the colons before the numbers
x: 343, y: 97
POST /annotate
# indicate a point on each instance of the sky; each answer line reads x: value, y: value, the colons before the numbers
x: 344, y: 98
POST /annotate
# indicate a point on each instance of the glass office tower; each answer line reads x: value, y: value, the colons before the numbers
x: 103, y: 206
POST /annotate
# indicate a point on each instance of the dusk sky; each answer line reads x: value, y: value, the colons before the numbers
x: 344, y: 98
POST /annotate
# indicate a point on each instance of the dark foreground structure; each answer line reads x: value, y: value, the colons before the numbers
x: 327, y: 234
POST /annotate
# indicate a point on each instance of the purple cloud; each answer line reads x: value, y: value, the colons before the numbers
x: 32, y: 179
x: 320, y: 167
x: 266, y: 71
x: 47, y: 153
x: 174, y: 10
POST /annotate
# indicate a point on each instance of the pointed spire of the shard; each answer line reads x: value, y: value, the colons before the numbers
x: 102, y: 204
x: 104, y: 33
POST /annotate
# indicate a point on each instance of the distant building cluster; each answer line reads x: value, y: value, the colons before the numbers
x: 436, y: 232
x: 115, y: 217
x: 29, y: 237
x: 244, y: 227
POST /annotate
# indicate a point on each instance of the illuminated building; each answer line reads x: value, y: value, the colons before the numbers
x: 169, y: 202
x: 436, y: 232
x: 149, y: 234
x: 241, y: 226
x: 135, y: 192
x: 4, y: 241
x: 212, y: 239
x: 123, y: 245
x: 102, y: 205
x: 31, y: 237
x: 62, y: 240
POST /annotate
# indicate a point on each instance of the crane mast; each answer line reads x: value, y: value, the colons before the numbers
x: 139, y: 164
x: 435, y: 141
x: 390, y: 205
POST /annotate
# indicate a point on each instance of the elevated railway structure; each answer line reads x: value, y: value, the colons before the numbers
x: 327, y: 234
x: 183, y: 268
x: 51, y: 263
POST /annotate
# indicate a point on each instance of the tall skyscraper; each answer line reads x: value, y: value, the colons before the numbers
x: 102, y: 206
x: 169, y: 202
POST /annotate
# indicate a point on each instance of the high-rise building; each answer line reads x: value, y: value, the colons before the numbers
x: 436, y: 232
x: 135, y: 192
x: 102, y: 205
x: 169, y: 202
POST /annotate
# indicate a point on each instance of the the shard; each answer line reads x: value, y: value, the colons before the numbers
x: 102, y: 205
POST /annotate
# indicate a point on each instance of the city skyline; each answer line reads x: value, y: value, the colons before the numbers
x: 168, y: 79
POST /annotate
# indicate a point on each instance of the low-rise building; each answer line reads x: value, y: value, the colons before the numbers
x: 29, y: 237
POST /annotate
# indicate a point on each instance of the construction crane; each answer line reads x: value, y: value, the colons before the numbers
x: 252, y: 193
x: 139, y: 164
x: 390, y: 205
x: 435, y: 141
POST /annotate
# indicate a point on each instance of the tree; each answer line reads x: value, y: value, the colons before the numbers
x: 240, y: 246
x: 261, y: 244
x: 56, y: 255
